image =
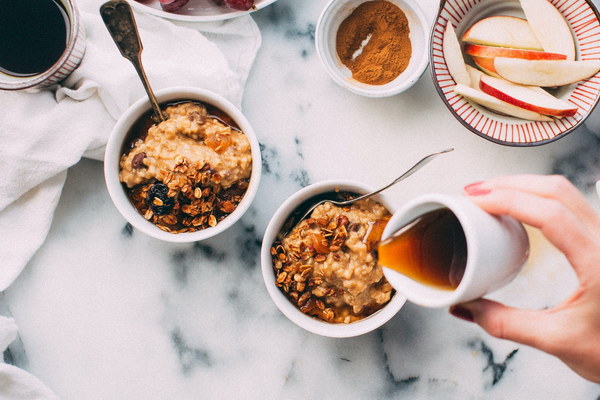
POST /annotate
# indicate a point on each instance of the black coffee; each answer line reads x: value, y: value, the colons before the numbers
x: 33, y: 35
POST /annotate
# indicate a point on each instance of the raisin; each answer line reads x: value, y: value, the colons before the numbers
x: 158, y: 200
x: 138, y: 161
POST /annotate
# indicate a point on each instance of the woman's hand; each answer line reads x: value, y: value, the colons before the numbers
x: 570, y: 331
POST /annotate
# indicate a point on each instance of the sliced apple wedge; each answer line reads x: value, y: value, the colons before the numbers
x: 454, y: 57
x: 497, y: 105
x: 486, y: 65
x: 479, y: 50
x: 524, y: 97
x: 503, y: 31
x: 475, y: 75
x: 550, y: 27
x: 547, y: 73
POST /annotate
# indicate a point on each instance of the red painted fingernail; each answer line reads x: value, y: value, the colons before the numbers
x: 462, y: 313
x: 479, y: 192
x: 473, y: 186
x: 475, y: 189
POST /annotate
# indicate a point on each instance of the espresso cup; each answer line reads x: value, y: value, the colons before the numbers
x: 32, y: 54
x: 496, y: 249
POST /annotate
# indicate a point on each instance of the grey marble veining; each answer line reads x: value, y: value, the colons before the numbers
x: 106, y: 312
x: 582, y: 165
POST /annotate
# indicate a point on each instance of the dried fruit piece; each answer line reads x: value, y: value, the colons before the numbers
x: 241, y: 5
x: 172, y: 5
x: 158, y: 200
x: 227, y: 206
x: 319, y: 243
x: 219, y: 141
x: 137, y: 162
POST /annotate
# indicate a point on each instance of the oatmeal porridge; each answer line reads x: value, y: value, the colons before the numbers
x: 188, y: 172
x: 327, y: 265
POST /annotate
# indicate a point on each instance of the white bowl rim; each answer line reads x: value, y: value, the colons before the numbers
x: 389, y: 89
x: 304, y: 321
x: 113, y: 153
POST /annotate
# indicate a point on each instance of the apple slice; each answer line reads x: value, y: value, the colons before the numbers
x: 479, y: 50
x: 475, y: 75
x: 503, y: 31
x: 486, y: 65
x: 454, y: 57
x: 525, y: 97
x: 547, y: 73
x: 497, y: 105
x: 550, y: 27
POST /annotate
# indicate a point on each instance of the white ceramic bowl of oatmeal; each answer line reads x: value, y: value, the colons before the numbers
x: 344, y: 277
x: 177, y: 156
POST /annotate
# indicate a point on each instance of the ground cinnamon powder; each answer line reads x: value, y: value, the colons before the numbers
x: 373, y: 42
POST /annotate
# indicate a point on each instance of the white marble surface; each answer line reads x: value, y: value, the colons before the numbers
x: 107, y: 313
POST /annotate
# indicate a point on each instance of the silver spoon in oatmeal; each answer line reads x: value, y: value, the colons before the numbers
x: 304, y: 210
x: 119, y: 20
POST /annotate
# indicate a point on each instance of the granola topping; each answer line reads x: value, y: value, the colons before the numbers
x: 188, y: 172
x: 327, y: 265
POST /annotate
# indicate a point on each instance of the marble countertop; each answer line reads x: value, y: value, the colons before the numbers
x: 105, y: 312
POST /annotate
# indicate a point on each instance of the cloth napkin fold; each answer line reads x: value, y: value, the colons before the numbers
x: 44, y: 133
x: 16, y: 384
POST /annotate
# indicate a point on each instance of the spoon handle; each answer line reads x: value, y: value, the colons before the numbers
x: 420, y: 164
x: 119, y: 20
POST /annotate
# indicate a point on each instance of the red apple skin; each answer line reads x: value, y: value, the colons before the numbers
x: 550, y: 27
x: 492, y: 91
x: 496, y: 105
x: 478, y: 50
x: 485, y: 63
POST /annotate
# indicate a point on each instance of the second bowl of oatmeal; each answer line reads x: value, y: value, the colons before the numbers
x: 189, y: 177
x: 323, y: 273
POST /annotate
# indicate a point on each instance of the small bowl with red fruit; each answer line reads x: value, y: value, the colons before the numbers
x: 199, y: 10
x: 517, y: 72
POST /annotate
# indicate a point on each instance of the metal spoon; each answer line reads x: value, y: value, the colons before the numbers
x: 119, y: 20
x: 305, y: 209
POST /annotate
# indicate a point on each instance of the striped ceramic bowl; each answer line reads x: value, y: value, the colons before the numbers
x: 68, y: 61
x: 583, y: 20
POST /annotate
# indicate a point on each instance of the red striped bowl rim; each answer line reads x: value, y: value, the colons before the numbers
x: 582, y: 17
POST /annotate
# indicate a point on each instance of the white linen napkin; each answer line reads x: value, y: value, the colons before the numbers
x: 43, y: 134
x: 16, y: 384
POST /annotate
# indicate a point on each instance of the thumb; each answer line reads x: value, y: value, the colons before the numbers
x: 527, y: 327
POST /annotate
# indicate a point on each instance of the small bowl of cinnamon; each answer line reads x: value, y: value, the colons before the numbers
x: 374, y: 48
